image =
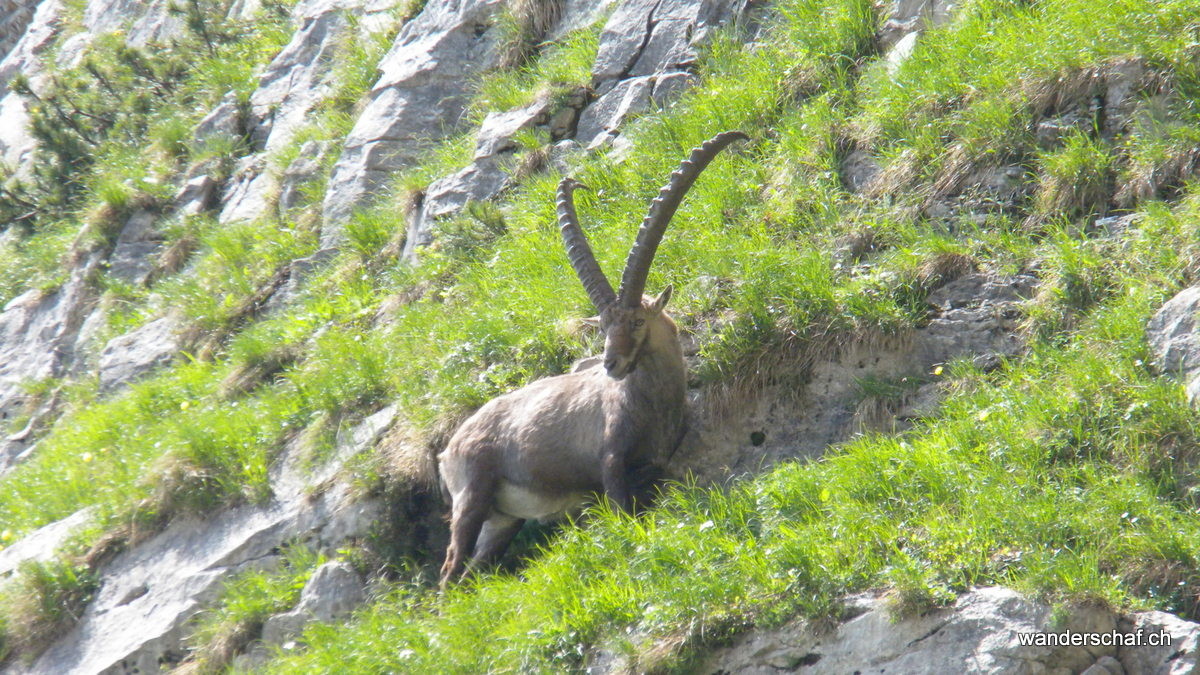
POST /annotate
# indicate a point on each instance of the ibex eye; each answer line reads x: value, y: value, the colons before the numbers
x: 639, y: 323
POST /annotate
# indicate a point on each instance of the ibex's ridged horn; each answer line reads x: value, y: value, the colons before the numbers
x: 579, y: 252
x: 637, y: 266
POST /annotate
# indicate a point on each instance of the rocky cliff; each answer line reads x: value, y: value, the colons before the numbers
x: 225, y: 223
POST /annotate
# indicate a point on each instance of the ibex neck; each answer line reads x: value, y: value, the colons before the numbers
x: 660, y: 372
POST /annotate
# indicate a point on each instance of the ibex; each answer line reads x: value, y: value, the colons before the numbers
x: 538, y: 452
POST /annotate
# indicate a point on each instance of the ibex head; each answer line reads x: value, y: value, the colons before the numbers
x: 627, y: 317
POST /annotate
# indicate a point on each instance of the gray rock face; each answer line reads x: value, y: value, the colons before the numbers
x: 1174, y: 343
x: 143, y: 21
x: 422, y: 92
x: 133, y: 254
x: 480, y: 180
x: 38, y: 333
x: 978, y: 634
x: 128, y: 357
x: 249, y: 191
x: 496, y: 133
x: 646, y: 51
x: 486, y: 177
x: 910, y: 16
x: 147, y: 595
x: 333, y: 591
x: 16, y: 144
x: 15, y: 17
x: 303, y: 169
x: 223, y: 123
x: 799, y: 416
x: 196, y: 195
x: 43, y: 543
x: 298, y: 77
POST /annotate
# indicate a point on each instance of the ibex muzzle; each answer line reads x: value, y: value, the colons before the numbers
x: 538, y: 452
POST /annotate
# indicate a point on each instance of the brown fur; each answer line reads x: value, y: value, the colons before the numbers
x: 561, y: 438
x: 538, y: 452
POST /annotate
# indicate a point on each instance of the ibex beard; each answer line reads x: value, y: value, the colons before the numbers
x: 542, y: 450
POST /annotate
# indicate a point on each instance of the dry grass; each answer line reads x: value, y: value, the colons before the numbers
x: 248, y: 375
x: 528, y: 23
x: 942, y: 268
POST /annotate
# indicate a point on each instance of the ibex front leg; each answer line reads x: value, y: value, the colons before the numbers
x: 613, y: 474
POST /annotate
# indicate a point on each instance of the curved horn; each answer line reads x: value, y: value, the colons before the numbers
x: 579, y: 252
x: 637, y: 266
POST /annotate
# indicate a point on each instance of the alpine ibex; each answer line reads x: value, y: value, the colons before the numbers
x: 538, y: 452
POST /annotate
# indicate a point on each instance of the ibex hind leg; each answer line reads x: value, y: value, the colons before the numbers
x: 471, y: 507
x: 498, y: 532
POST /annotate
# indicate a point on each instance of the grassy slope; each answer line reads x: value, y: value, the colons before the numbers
x: 1067, y: 473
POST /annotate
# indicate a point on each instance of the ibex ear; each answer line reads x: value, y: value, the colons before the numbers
x: 592, y: 322
x: 661, y: 300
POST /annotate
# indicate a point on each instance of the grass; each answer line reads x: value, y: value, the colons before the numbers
x: 1066, y: 473
x: 246, y: 601
x: 44, y: 602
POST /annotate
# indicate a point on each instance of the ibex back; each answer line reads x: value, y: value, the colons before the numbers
x: 538, y: 452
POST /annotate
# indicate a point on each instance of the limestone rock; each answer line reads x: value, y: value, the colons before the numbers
x: 223, y: 123
x: 333, y: 591
x: 978, y: 634
x: 648, y: 37
x: 133, y: 253
x: 18, y: 14
x: 496, y: 133
x: 43, y: 543
x: 601, y: 120
x: 482, y: 179
x: 302, y: 170
x: 248, y: 193
x: 1181, y: 656
x: 148, y: 594
x: 196, y: 195
x: 24, y: 57
x: 38, y: 331
x: 1174, y: 343
x: 424, y: 86
x: 128, y: 357
x: 297, y: 78
x: 906, y: 17
x: 646, y: 51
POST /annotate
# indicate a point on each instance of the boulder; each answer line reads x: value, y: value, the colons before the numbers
x: 136, y: 353
x: 134, y: 252
x: 333, y: 591
x: 1173, y: 341
x: 302, y: 170
x: 425, y: 83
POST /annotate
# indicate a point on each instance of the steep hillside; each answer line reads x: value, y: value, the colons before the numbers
x: 259, y: 258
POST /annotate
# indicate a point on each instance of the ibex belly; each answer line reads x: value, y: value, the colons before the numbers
x: 521, y: 502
